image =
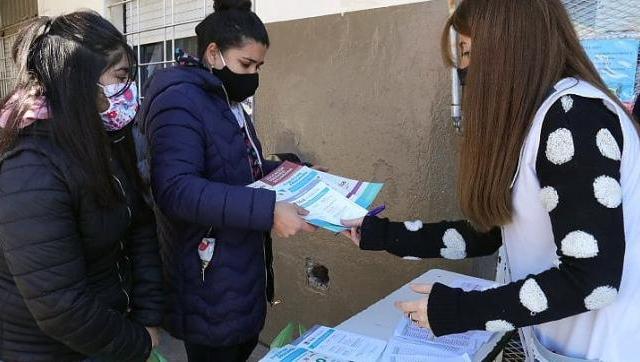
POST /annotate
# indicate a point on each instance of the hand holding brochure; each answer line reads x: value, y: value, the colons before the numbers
x: 328, y: 198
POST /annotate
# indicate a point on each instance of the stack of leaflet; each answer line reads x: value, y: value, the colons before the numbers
x: 411, y: 343
x: 328, y: 198
x: 328, y: 345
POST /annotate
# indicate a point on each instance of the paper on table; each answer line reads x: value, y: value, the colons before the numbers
x: 420, y: 358
x: 408, y: 334
x: 401, y: 351
x: 475, y: 285
x: 456, y: 344
x: 341, y: 344
x: 297, y: 354
x: 328, y: 198
x: 469, y: 285
x: 400, y: 358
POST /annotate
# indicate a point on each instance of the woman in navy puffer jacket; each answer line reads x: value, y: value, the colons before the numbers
x: 204, y: 151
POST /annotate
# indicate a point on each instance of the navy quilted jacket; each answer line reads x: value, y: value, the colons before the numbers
x: 199, y: 169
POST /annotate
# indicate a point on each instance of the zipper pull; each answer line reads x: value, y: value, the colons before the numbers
x: 205, y: 251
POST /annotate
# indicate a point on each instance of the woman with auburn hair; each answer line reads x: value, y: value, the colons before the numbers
x: 548, y: 161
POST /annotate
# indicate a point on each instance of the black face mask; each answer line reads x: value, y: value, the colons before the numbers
x: 462, y: 75
x: 239, y: 86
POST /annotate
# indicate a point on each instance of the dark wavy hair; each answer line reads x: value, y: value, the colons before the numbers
x: 230, y: 26
x: 62, y: 59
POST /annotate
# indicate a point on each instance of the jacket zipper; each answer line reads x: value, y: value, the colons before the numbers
x: 246, y: 129
x: 124, y: 291
x: 264, y: 253
x: 122, y: 281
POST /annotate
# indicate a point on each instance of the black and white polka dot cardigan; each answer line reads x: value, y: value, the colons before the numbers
x: 587, y: 225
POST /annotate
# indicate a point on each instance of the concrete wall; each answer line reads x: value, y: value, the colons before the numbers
x: 365, y: 94
x: 57, y: 7
x: 282, y: 10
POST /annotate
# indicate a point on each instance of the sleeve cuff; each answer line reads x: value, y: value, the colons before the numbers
x: 264, y: 203
x: 445, y: 312
x: 147, y: 318
x: 373, y: 233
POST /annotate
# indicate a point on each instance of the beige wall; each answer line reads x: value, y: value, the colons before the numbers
x: 283, y: 10
x: 57, y: 7
x: 365, y: 94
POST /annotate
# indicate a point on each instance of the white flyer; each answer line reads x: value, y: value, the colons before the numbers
x: 297, y: 354
x: 398, y: 350
x: 409, y: 339
x: 328, y: 198
x: 340, y: 344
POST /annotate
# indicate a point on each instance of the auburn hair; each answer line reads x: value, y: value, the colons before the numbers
x: 520, y: 50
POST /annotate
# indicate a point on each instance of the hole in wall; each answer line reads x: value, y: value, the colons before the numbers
x: 317, y: 276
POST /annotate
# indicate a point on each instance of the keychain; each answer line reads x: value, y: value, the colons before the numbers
x: 205, y: 251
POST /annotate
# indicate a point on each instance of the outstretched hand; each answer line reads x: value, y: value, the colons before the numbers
x: 417, y: 309
x: 289, y: 220
x: 354, y: 230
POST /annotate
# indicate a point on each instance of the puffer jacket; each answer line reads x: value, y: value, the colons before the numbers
x: 199, y: 170
x: 76, y: 279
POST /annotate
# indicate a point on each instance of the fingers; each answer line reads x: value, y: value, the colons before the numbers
x: 302, y: 211
x: 408, y: 307
x: 422, y: 288
x: 306, y: 227
x: 355, y: 235
x: 154, y: 334
x: 416, y: 310
x: 421, y: 319
x: 352, y: 223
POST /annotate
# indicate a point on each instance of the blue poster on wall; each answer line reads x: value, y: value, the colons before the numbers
x: 617, y: 62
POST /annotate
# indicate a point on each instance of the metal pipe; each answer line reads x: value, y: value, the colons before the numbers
x: 139, y: 72
x: 456, y: 108
x: 159, y: 62
x: 173, y: 30
x: 254, y: 98
x: 164, y: 25
x: 18, y: 24
x: 119, y: 3
x: 160, y: 27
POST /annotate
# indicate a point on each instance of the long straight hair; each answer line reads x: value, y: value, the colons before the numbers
x: 520, y: 50
x: 62, y: 59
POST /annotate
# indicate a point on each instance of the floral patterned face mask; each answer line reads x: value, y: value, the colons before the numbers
x: 122, y: 107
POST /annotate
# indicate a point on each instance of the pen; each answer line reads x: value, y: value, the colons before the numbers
x: 377, y: 210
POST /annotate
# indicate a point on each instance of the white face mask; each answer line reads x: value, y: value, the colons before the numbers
x: 122, y: 108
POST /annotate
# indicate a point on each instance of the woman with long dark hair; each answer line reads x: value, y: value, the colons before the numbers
x: 80, y: 271
x: 214, y: 231
x: 549, y: 159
